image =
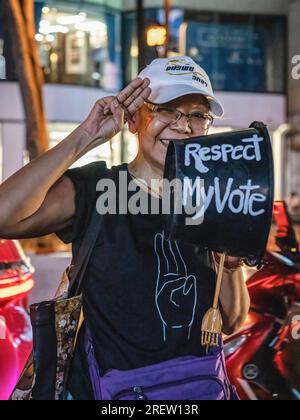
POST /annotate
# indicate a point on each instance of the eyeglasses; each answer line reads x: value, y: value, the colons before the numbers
x: 198, y: 121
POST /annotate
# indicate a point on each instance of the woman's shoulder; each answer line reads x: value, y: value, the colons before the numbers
x: 87, y: 176
x: 95, y: 170
x: 91, y: 170
x: 85, y: 179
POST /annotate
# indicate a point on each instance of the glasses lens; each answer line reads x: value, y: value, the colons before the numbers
x: 200, y: 122
x: 166, y: 115
x: 197, y: 121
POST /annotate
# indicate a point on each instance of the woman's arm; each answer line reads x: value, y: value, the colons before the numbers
x: 38, y: 199
x: 234, y: 300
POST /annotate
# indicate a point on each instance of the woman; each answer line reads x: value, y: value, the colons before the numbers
x: 144, y: 297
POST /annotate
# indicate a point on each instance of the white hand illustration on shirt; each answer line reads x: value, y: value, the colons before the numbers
x: 176, y: 291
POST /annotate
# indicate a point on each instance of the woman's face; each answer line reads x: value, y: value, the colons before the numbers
x: 154, y: 134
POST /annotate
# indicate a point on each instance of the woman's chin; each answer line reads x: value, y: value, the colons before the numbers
x: 159, y: 162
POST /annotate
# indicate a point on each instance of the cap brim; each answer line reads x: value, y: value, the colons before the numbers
x: 169, y: 93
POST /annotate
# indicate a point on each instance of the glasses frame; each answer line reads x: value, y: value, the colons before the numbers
x: 154, y: 108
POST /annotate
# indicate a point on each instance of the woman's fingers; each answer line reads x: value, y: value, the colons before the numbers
x: 118, y: 113
x: 139, y: 101
x: 105, y: 101
x: 103, y: 104
x: 135, y: 95
x: 128, y: 91
x: 131, y: 98
x: 110, y: 113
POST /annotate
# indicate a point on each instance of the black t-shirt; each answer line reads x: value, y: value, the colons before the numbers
x: 144, y: 297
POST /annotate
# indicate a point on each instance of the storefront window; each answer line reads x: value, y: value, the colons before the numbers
x: 130, y: 42
x: 79, y: 44
x: 241, y: 53
x: 109, y: 152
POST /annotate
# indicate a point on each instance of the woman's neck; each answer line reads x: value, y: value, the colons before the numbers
x: 142, y: 169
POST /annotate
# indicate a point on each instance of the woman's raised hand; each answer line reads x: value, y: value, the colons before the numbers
x: 109, y: 114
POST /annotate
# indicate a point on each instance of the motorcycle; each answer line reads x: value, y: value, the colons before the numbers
x: 263, y: 358
x: 16, y: 282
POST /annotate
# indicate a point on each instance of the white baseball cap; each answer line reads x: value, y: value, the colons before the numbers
x: 174, y: 77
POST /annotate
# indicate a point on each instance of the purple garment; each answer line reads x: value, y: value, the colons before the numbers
x: 184, y: 378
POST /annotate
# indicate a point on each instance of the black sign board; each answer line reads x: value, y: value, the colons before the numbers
x: 226, y: 199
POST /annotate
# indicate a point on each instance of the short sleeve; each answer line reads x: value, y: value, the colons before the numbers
x: 85, y: 180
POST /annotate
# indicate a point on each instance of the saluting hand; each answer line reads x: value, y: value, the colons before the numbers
x: 110, y: 114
